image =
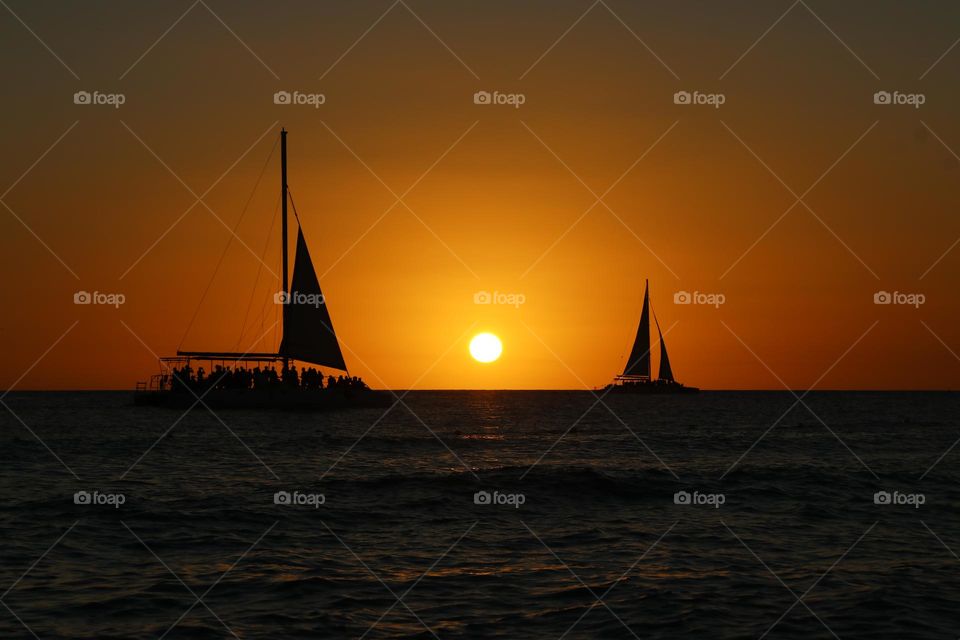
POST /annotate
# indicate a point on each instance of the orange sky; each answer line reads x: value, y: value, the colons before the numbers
x: 499, y: 190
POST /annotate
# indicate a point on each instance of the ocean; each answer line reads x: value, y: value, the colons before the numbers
x: 484, y: 514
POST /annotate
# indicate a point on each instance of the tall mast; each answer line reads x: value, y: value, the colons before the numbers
x: 283, y: 224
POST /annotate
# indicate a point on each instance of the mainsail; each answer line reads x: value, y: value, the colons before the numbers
x: 308, y: 333
x: 639, y: 362
x: 665, y: 372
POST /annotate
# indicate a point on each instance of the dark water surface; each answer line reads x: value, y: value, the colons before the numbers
x: 597, y: 549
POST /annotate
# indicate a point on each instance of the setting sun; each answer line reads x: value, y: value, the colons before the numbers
x: 485, y: 347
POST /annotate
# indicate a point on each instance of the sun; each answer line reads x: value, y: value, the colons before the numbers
x: 485, y: 347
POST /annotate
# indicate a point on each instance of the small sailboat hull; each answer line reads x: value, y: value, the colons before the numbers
x: 270, y: 399
x: 650, y: 388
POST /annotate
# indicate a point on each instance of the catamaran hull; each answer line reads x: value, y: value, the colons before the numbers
x: 267, y: 400
x: 650, y: 389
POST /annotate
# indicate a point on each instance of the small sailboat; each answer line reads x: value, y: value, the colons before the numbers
x: 250, y: 380
x: 636, y: 374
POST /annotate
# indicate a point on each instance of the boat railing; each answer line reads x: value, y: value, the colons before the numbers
x: 157, y: 382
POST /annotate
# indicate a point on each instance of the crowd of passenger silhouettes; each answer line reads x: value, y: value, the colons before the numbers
x: 222, y: 377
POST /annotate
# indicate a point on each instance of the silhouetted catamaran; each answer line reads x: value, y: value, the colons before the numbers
x: 307, y: 336
x: 636, y: 374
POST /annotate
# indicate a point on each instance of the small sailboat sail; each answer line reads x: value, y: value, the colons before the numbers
x: 665, y: 372
x: 638, y: 364
x: 308, y: 333
x: 636, y: 376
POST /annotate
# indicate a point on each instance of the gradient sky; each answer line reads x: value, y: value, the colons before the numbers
x: 500, y: 193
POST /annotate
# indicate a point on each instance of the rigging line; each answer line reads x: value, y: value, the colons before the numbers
x: 256, y: 281
x: 295, y: 215
x: 196, y: 311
